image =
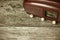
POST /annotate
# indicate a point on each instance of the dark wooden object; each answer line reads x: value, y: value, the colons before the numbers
x: 49, y: 9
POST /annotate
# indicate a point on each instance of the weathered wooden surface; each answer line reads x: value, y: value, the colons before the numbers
x: 16, y: 16
x: 29, y: 33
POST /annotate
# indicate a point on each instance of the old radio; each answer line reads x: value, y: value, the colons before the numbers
x: 45, y: 9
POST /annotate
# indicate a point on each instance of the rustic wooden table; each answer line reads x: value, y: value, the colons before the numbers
x: 29, y: 33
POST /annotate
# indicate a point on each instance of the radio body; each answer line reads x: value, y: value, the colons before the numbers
x: 45, y: 9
